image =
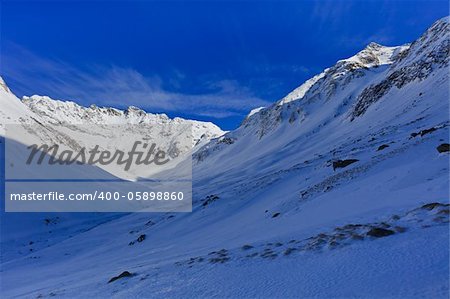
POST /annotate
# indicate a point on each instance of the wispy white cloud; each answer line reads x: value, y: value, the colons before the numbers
x: 118, y: 86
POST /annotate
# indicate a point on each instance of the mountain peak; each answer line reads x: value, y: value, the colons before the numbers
x: 374, y: 55
x: 374, y: 45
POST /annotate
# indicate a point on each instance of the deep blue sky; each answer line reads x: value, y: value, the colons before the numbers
x: 204, y: 60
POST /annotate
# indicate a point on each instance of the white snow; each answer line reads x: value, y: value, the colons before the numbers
x: 300, y: 91
x: 256, y: 110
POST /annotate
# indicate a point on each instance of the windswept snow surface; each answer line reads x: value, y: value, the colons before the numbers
x: 278, y: 209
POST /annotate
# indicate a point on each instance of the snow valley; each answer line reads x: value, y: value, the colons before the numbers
x: 340, y: 189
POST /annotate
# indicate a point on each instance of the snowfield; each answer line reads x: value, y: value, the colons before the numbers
x: 341, y: 189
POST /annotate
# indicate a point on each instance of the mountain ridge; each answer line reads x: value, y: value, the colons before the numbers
x: 46, y: 109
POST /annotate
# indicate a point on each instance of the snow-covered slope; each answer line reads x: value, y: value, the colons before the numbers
x: 337, y: 190
x: 12, y: 110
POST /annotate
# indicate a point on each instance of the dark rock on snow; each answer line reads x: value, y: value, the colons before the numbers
x: 122, y: 275
x: 343, y: 163
x: 275, y: 215
x: 379, y: 232
x: 431, y: 206
x: 443, y: 148
x: 423, y: 132
x: 382, y: 147
x: 209, y: 199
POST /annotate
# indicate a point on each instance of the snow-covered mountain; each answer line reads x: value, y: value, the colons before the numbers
x: 60, y: 112
x: 73, y: 126
x: 340, y: 189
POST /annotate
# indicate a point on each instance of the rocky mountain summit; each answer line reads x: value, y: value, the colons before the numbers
x: 346, y: 90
